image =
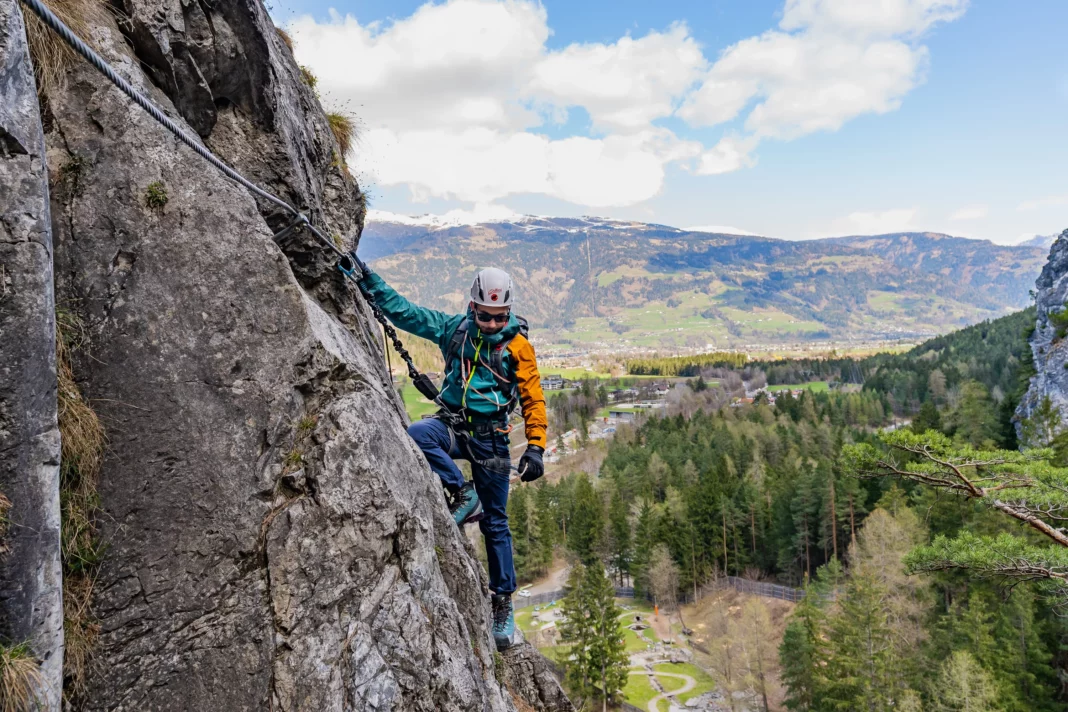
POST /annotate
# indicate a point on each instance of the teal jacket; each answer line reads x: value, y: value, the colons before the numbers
x: 469, y: 384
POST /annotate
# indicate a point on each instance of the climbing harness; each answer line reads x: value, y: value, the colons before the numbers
x: 345, y: 264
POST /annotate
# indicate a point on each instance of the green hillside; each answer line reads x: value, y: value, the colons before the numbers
x: 590, y: 282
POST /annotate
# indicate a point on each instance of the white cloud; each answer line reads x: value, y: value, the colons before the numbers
x: 970, y: 212
x: 451, y: 97
x: 454, y: 97
x: 865, y: 19
x: 1047, y: 202
x: 451, y: 65
x: 876, y: 223
x: 483, y: 165
x: 832, y: 61
x: 625, y: 85
x: 730, y: 154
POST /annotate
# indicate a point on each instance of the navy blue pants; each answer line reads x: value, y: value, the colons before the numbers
x: 434, y: 439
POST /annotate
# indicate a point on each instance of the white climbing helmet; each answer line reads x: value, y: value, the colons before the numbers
x: 492, y: 288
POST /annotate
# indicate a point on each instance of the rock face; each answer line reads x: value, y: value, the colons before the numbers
x: 529, y: 677
x: 31, y: 600
x: 1049, y: 351
x: 275, y: 540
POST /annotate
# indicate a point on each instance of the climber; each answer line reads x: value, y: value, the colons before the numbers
x: 489, y: 367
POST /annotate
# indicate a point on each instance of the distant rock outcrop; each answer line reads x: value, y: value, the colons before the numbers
x: 273, y: 539
x: 1048, y: 343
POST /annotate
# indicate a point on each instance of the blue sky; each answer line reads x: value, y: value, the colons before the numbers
x: 795, y: 119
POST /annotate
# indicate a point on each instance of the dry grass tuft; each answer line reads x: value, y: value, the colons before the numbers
x: 52, y: 57
x: 83, y: 454
x: 80, y: 631
x: 20, y: 680
x: 286, y: 39
x: 344, y: 129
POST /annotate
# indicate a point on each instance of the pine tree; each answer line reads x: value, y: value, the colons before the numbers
x: 1019, y: 486
x: 964, y: 686
x: 927, y: 419
x: 576, y: 630
x: 519, y: 523
x: 545, y: 536
x: 620, y: 535
x: 597, y: 660
x: 974, y: 419
x: 860, y: 674
x: 608, y: 659
x: 643, y: 547
x: 586, y: 525
x: 803, y: 654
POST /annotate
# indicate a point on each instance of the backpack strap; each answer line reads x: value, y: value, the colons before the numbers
x: 497, y: 354
x: 456, y: 343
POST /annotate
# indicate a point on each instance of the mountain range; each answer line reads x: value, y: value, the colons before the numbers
x: 597, y: 282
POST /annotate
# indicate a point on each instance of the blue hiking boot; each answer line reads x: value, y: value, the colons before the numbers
x: 465, y: 507
x: 503, y: 621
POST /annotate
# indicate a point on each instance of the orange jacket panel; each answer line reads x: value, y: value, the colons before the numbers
x: 531, y: 397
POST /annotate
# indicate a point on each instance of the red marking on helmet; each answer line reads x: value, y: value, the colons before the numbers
x: 494, y: 294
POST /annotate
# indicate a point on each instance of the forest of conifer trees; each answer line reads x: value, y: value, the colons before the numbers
x: 763, y: 491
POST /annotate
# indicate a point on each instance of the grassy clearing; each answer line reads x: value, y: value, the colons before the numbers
x: 814, y: 386
x: 20, y: 680
x: 414, y: 402
x: 634, y: 642
x: 573, y: 374
x: 556, y: 653
x: 670, y: 684
x: 639, y: 691
x: 524, y: 618
x: 705, y: 683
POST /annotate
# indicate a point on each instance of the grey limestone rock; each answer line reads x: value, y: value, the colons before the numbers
x: 1050, y: 353
x: 31, y: 602
x: 530, y: 677
x: 275, y: 540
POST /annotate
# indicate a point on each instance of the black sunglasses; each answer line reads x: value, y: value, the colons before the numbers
x: 502, y: 318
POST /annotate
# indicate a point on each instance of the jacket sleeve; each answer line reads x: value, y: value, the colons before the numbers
x: 427, y: 323
x: 531, y: 397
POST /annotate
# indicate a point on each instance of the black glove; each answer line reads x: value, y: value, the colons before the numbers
x: 530, y: 465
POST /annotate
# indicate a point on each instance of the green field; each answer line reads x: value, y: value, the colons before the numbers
x: 814, y: 386
x: 705, y: 683
x: 638, y: 691
x: 524, y: 619
x: 572, y: 374
x: 655, y: 324
x: 414, y: 402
